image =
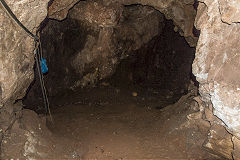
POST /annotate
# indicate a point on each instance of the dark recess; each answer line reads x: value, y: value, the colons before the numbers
x: 165, y: 63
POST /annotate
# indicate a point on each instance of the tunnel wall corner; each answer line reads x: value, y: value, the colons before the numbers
x: 216, y: 64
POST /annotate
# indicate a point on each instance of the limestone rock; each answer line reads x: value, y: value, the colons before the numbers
x: 16, y: 61
x: 208, y: 112
x: 16, y: 47
x: 27, y: 138
x: 216, y: 65
x: 94, y: 41
x: 58, y: 9
x: 236, y: 150
x: 219, y: 142
x: 230, y: 11
x: 98, y: 13
x: 30, y: 139
x: 181, y: 12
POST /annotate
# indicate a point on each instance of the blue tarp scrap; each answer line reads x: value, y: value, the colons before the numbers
x: 44, y: 67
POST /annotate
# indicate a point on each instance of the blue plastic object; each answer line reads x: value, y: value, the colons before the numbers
x: 44, y: 67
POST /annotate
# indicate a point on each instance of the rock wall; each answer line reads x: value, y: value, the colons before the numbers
x: 16, y: 47
x: 216, y: 65
x: 181, y: 12
x: 87, y: 46
x: 165, y: 62
x: 16, y: 60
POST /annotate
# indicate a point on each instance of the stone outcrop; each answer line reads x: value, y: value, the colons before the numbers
x: 16, y: 47
x: 219, y: 141
x: 28, y: 136
x: 31, y: 139
x: 101, y: 36
x: 216, y: 65
x: 59, y: 9
x: 16, y: 59
x: 181, y: 12
x: 236, y: 148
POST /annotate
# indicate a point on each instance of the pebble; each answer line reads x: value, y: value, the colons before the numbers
x: 134, y: 94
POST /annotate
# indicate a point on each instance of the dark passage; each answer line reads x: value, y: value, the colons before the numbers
x: 163, y: 63
x: 113, y: 83
x: 141, y: 54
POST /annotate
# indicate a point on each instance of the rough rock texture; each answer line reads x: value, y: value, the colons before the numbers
x: 216, y: 65
x: 93, y: 40
x: 181, y: 12
x: 229, y: 11
x: 219, y: 141
x: 59, y: 9
x: 16, y: 59
x: 165, y: 62
x: 31, y: 139
x: 16, y: 47
x: 27, y: 136
x: 236, y: 148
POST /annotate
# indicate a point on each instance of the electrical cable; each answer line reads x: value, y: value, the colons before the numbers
x: 12, y: 15
x: 37, y: 54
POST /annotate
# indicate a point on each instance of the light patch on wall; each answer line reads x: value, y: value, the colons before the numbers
x: 202, y: 76
x: 225, y: 57
x: 199, y: 65
x: 29, y: 147
x: 225, y: 110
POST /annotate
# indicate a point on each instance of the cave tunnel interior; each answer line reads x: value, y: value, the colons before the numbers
x: 158, y: 65
x: 109, y: 83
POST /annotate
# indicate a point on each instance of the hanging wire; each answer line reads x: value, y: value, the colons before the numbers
x: 12, y: 15
x: 37, y: 54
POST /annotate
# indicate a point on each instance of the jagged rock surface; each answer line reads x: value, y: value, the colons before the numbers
x: 16, y: 59
x: 236, y: 148
x: 181, y: 12
x: 219, y: 141
x: 216, y: 65
x: 93, y: 40
x: 31, y: 139
x: 59, y: 9
x: 16, y: 47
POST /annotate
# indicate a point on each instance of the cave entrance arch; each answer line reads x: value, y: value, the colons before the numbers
x: 116, y: 75
x: 140, y: 47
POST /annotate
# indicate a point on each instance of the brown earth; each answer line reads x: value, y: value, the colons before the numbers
x: 109, y: 123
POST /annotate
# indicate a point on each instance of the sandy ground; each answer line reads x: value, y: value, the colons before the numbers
x: 109, y: 123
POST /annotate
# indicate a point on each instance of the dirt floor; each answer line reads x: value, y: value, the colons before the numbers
x: 109, y: 123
